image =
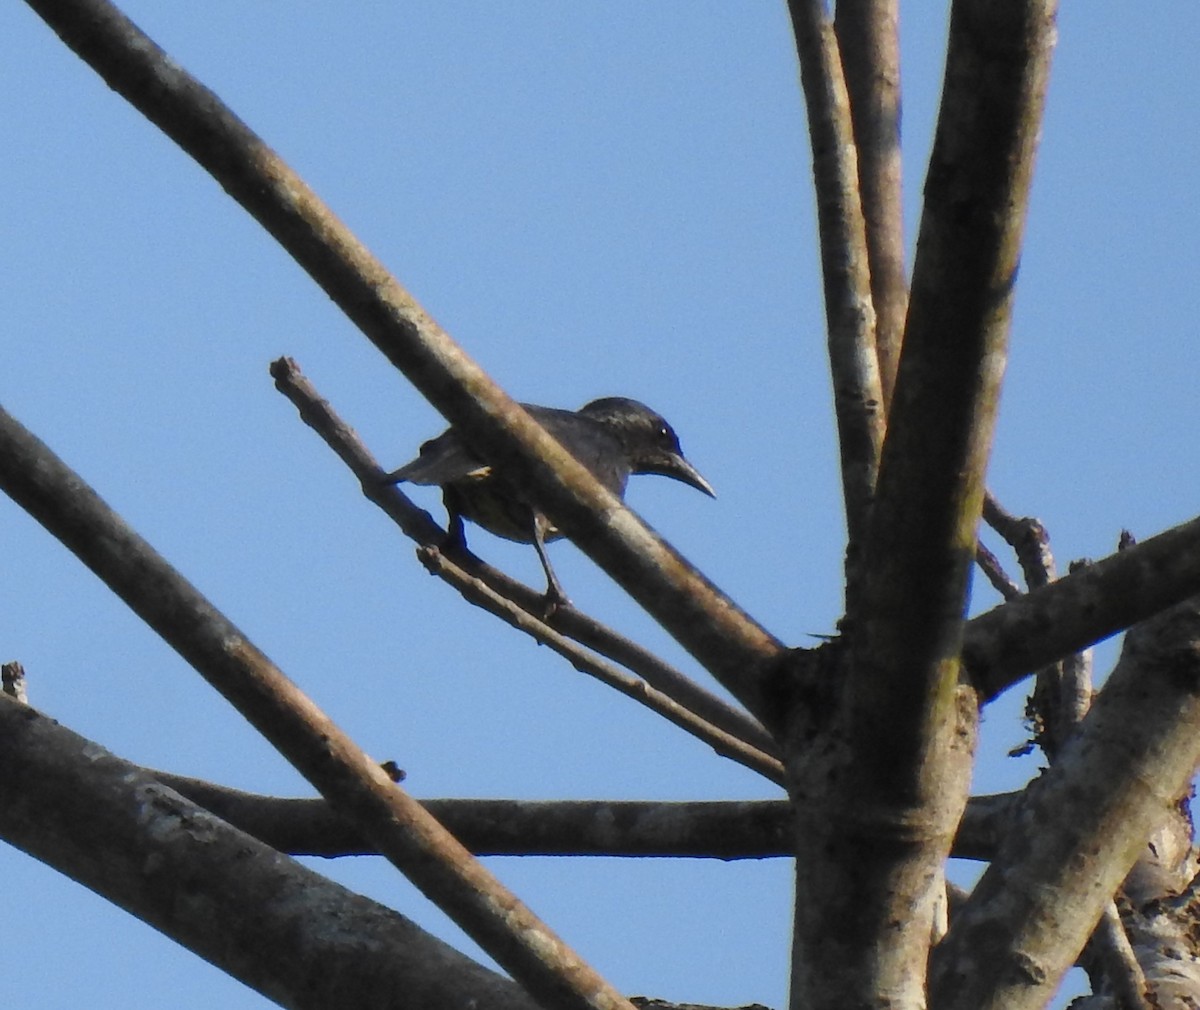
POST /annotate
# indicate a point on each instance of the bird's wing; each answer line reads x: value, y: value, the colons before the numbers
x: 590, y: 442
x: 446, y: 458
x: 442, y: 459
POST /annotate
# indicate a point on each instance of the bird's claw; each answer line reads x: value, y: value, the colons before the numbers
x: 552, y: 599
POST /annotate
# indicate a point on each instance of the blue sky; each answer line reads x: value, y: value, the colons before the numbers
x: 594, y: 199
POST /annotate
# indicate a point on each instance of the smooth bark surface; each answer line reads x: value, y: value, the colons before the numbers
x: 725, y: 829
x: 845, y: 267
x: 871, y: 848
x: 868, y: 33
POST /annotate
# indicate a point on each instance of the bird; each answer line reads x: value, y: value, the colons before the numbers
x: 613, y: 437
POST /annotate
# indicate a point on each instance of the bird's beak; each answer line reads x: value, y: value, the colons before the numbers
x: 680, y: 469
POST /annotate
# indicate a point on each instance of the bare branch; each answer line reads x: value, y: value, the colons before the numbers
x: 410, y: 838
x: 1060, y: 699
x: 285, y: 931
x: 725, y: 829
x: 1084, y: 823
x: 868, y: 35
x: 465, y: 571
x: 482, y: 595
x: 903, y: 760
x: 857, y: 397
x: 1160, y: 922
x: 706, y: 622
x: 1009, y: 642
x: 1028, y: 539
x: 990, y: 565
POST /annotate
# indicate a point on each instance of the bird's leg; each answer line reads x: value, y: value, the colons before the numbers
x: 554, y: 591
x: 456, y: 537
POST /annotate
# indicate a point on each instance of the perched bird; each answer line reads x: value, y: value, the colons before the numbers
x: 613, y: 437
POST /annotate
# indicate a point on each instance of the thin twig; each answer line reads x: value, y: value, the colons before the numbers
x: 477, y: 592
x: 319, y: 415
x: 1028, y: 539
x: 990, y: 565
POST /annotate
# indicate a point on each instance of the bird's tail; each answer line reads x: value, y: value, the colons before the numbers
x: 445, y: 464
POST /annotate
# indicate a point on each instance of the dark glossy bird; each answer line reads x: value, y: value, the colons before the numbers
x: 613, y: 437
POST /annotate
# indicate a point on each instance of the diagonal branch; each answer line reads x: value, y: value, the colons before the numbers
x: 990, y: 565
x: 850, y: 316
x: 479, y: 593
x: 410, y: 838
x: 521, y: 606
x: 285, y: 931
x: 1016, y: 638
x: 707, y: 623
x: 908, y: 729
x: 1084, y: 823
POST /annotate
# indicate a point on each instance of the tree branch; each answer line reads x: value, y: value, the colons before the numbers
x: 868, y: 36
x: 748, y: 829
x: 1060, y: 699
x: 479, y: 593
x: 1121, y: 969
x: 990, y: 565
x: 845, y: 266
x: 278, y: 927
x: 406, y: 834
x: 1084, y: 823
x: 902, y: 753
x: 726, y: 830
x: 502, y: 596
x: 706, y: 622
x: 1006, y: 644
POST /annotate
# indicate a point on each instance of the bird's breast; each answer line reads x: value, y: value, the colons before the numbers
x: 488, y: 504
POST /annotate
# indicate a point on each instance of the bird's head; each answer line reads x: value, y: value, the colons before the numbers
x: 650, y: 443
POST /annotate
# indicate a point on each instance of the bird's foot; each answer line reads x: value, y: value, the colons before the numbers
x: 552, y: 599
